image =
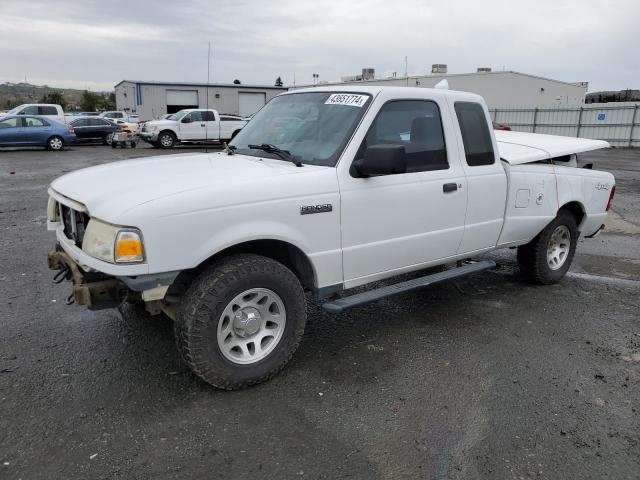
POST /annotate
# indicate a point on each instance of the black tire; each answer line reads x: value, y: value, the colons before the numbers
x: 133, y: 144
x: 55, y: 143
x: 533, y: 257
x: 108, y: 139
x: 166, y: 139
x: 201, y: 309
x: 114, y: 144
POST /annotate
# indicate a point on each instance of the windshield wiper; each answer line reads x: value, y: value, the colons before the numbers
x: 283, y: 154
x: 230, y: 149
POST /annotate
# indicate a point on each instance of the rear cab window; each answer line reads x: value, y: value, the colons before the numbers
x: 476, y: 136
x: 47, y: 111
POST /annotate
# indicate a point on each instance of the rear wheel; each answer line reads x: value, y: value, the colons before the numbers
x: 108, y: 139
x: 55, y: 143
x: 547, y: 258
x: 166, y: 140
x: 241, y: 321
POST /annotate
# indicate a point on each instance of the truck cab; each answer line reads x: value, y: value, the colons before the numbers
x: 192, y: 126
x: 324, y: 190
x: 47, y: 110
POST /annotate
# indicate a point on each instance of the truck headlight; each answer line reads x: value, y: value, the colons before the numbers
x: 112, y: 244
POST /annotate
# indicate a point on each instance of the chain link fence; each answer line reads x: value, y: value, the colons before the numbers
x: 618, y: 124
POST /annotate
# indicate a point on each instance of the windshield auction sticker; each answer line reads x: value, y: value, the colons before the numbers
x: 349, y: 99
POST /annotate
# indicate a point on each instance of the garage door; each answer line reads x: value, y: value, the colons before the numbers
x: 251, y: 102
x: 179, y: 99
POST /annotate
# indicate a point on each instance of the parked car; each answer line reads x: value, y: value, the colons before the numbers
x: 226, y: 244
x: 34, y: 131
x: 119, y: 115
x: 94, y: 128
x: 70, y: 116
x: 500, y: 126
x: 192, y: 126
x: 48, y: 110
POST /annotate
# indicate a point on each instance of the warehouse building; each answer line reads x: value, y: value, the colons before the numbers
x: 153, y: 99
x: 499, y: 89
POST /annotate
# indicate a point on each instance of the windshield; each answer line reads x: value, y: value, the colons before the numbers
x: 313, y: 127
x: 179, y: 115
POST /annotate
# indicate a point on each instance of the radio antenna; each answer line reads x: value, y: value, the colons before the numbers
x: 206, y: 128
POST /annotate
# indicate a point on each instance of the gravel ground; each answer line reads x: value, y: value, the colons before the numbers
x: 487, y: 377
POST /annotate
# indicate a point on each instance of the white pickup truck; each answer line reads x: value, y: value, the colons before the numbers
x: 324, y: 190
x: 192, y: 126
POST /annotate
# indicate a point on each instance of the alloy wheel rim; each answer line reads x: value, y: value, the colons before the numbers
x: 165, y: 140
x: 558, y: 247
x: 251, y: 326
x: 55, y: 143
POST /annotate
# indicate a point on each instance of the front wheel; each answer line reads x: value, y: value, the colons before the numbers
x: 166, y: 140
x: 240, y: 321
x: 547, y: 258
x: 108, y: 139
x: 55, y: 143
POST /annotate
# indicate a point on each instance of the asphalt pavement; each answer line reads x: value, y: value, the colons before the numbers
x: 485, y: 377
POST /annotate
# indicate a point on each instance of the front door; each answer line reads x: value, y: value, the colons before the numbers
x: 401, y: 222
x: 193, y: 126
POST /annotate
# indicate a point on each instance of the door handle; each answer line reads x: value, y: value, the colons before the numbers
x: 202, y: 124
x: 449, y: 187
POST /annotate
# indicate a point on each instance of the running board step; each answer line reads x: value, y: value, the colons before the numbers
x: 341, y: 304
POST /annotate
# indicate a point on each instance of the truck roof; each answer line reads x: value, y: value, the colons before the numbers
x: 374, y: 90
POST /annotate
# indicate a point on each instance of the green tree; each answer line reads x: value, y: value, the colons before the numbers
x: 89, y: 101
x: 56, y: 97
x: 278, y: 82
x: 236, y: 82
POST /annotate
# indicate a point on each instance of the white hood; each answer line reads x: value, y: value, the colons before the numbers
x: 520, y: 147
x: 111, y: 189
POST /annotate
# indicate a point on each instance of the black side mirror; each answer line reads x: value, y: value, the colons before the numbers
x: 382, y: 160
x: 187, y: 120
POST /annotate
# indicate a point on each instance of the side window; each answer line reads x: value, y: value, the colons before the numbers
x: 10, y: 123
x: 476, y: 136
x: 197, y: 116
x: 210, y: 116
x: 98, y: 122
x: 34, y: 122
x: 30, y: 110
x: 81, y: 122
x: 414, y: 124
x: 47, y: 111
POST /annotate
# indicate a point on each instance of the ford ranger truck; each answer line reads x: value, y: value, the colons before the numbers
x: 326, y: 189
x: 192, y: 126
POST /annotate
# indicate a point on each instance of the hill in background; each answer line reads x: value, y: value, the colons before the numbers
x: 14, y: 94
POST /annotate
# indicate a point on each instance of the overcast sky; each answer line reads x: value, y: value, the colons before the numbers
x: 96, y: 43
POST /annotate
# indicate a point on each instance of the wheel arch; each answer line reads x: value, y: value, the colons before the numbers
x: 576, y: 209
x: 279, y: 250
x: 169, y: 131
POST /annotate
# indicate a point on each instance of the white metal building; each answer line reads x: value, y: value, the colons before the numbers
x: 152, y: 99
x: 499, y: 89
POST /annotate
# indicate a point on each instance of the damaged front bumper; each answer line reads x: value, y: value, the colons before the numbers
x: 99, y: 291
x: 95, y: 290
